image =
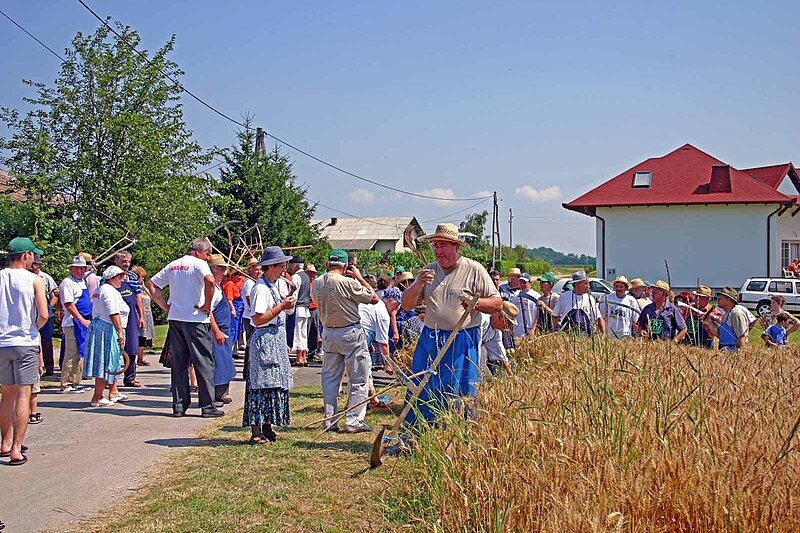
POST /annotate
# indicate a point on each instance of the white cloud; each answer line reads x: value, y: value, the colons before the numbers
x: 539, y: 196
x: 361, y: 196
x: 482, y: 194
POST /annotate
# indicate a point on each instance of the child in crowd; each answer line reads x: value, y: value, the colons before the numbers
x: 775, y: 335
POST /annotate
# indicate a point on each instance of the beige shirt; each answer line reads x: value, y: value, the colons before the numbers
x: 337, y: 298
x: 450, y: 287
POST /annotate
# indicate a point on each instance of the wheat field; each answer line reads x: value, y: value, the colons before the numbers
x: 617, y: 436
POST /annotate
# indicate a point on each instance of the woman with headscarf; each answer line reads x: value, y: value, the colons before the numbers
x: 224, y: 370
x: 106, y: 337
x: 269, y: 372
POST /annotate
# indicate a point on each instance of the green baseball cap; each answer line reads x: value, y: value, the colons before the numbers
x: 399, y: 269
x: 547, y: 276
x: 20, y: 245
x: 338, y: 256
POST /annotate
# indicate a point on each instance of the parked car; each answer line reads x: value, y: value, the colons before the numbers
x: 755, y: 294
x: 599, y: 287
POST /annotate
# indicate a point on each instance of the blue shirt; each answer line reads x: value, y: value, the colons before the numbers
x: 777, y: 334
x: 665, y: 325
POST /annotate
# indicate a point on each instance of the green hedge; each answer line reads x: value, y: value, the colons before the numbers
x: 535, y: 267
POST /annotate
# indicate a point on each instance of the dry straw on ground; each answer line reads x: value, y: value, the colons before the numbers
x: 631, y: 436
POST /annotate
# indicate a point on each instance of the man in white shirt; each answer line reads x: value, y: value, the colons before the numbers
x: 254, y: 273
x: 191, y: 290
x: 525, y: 299
x: 620, y: 310
x: 492, y: 326
x: 302, y: 284
x: 577, y: 309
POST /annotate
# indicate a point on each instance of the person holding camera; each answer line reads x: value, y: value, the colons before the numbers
x: 337, y: 294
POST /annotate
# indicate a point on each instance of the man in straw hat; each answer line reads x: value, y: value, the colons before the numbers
x: 510, y: 289
x: 191, y: 291
x: 253, y: 273
x: 337, y: 294
x: 733, y: 327
x: 446, y: 285
x: 492, y: 327
x: 638, y: 290
x: 577, y: 309
x: 697, y: 333
x: 620, y: 310
x: 661, y: 319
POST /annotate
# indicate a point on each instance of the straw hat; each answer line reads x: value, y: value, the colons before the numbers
x: 622, y: 279
x: 637, y: 282
x: 446, y: 233
x: 406, y: 276
x: 217, y: 260
x: 252, y: 262
x: 729, y: 292
x: 703, y: 290
x: 662, y: 285
x: 311, y: 268
x: 87, y: 256
x: 514, y: 271
x: 510, y: 311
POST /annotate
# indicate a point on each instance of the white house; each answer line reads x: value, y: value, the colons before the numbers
x: 713, y: 224
x: 382, y: 234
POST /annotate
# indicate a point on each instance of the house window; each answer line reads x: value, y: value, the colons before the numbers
x: 642, y: 180
x: 789, y: 250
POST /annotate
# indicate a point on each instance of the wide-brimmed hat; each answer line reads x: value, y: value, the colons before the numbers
x: 514, y: 271
x: 580, y: 275
x: 406, y: 276
x: 78, y: 261
x: 661, y: 284
x: 296, y: 260
x: 217, y: 260
x: 273, y: 255
x: 112, y: 272
x: 702, y: 290
x: 547, y: 277
x: 20, y: 245
x: 253, y: 261
x: 447, y: 233
x: 621, y: 279
x: 311, y: 268
x: 637, y: 282
x: 729, y: 292
x: 510, y: 311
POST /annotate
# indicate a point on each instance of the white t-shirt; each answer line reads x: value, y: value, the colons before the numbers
x: 263, y: 300
x: 491, y: 340
x: 216, y: 298
x: 185, y: 277
x: 246, y: 291
x: 618, y: 318
x: 527, y: 312
x: 283, y: 291
x: 569, y: 301
x: 70, y: 292
x: 107, y: 301
x: 17, y: 308
x: 375, y: 318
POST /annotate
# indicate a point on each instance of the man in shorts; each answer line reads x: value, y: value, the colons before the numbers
x: 23, y: 310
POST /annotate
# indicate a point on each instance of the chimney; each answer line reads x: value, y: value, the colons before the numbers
x: 720, y: 179
x: 334, y: 220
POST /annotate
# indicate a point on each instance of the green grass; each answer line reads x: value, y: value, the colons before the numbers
x: 304, y: 482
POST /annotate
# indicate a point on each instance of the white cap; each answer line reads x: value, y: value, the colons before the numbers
x: 112, y: 272
x: 78, y: 261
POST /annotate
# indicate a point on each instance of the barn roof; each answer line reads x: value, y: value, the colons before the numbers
x: 685, y: 176
x: 362, y: 233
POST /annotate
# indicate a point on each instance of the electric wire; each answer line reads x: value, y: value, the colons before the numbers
x: 445, y: 217
x: 32, y: 36
x: 278, y: 139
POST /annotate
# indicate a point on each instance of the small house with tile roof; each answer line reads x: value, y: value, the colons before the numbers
x: 381, y: 234
x: 714, y: 224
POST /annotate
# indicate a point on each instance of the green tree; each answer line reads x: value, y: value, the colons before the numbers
x: 258, y: 187
x: 109, y: 136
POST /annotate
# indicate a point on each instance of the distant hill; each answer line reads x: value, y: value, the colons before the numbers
x: 557, y: 258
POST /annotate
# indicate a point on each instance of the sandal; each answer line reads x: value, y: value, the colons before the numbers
x: 133, y: 383
x: 143, y: 362
x: 18, y: 462
x: 258, y: 440
x: 35, y: 418
x: 8, y: 453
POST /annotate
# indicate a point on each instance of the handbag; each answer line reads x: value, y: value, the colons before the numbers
x: 166, y: 353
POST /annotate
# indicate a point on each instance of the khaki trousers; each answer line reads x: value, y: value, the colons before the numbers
x: 72, y: 367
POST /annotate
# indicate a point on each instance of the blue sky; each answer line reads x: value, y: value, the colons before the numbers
x: 538, y: 102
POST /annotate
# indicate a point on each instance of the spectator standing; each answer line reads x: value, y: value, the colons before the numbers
x: 344, y: 341
x: 91, y: 278
x: 547, y: 302
x: 525, y: 300
x: 77, y: 313
x: 254, y: 273
x: 492, y: 328
x: 191, y: 290
x: 232, y: 289
x: 620, y: 310
x: 577, y: 309
x: 23, y: 311
x: 733, y: 327
x: 314, y: 339
x: 147, y: 334
x: 46, y: 333
x: 661, y: 319
x: 301, y: 311
x: 221, y: 326
x: 131, y: 292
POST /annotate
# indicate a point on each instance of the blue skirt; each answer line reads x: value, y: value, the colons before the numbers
x: 103, y: 353
x: 457, y: 374
x: 224, y: 370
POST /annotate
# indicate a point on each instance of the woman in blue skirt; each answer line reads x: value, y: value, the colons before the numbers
x: 106, y: 337
x: 269, y: 375
x: 224, y: 370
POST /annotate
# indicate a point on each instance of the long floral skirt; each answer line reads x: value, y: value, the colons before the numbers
x: 266, y: 406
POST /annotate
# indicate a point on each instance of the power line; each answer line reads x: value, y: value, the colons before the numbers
x: 278, y: 139
x: 355, y: 216
x: 32, y: 36
x: 456, y: 212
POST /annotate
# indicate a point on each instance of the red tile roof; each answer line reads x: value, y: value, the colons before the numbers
x: 771, y: 175
x: 681, y: 177
x: 8, y: 187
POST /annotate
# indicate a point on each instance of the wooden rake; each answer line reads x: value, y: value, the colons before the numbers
x: 378, y: 447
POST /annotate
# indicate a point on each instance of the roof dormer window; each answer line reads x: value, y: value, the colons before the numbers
x: 642, y: 180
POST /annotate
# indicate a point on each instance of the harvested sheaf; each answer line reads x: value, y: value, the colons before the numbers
x: 618, y: 436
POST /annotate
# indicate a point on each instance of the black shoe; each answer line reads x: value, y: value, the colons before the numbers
x: 218, y: 403
x: 193, y: 388
x: 177, y: 414
x: 225, y: 399
x: 212, y: 412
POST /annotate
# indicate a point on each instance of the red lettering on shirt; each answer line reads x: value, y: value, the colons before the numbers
x: 180, y: 267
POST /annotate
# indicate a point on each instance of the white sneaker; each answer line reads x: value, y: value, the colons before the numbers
x: 119, y: 398
x: 77, y: 389
x: 68, y: 388
x: 102, y: 403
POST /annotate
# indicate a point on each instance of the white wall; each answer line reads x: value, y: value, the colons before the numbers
x: 788, y: 230
x: 721, y: 245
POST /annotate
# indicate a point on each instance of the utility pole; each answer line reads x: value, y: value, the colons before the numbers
x: 495, y: 231
x: 261, y: 145
x: 510, y: 218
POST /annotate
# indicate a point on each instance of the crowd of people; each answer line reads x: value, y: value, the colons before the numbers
x: 277, y: 306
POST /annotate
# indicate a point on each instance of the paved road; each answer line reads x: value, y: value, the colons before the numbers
x: 82, y: 459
